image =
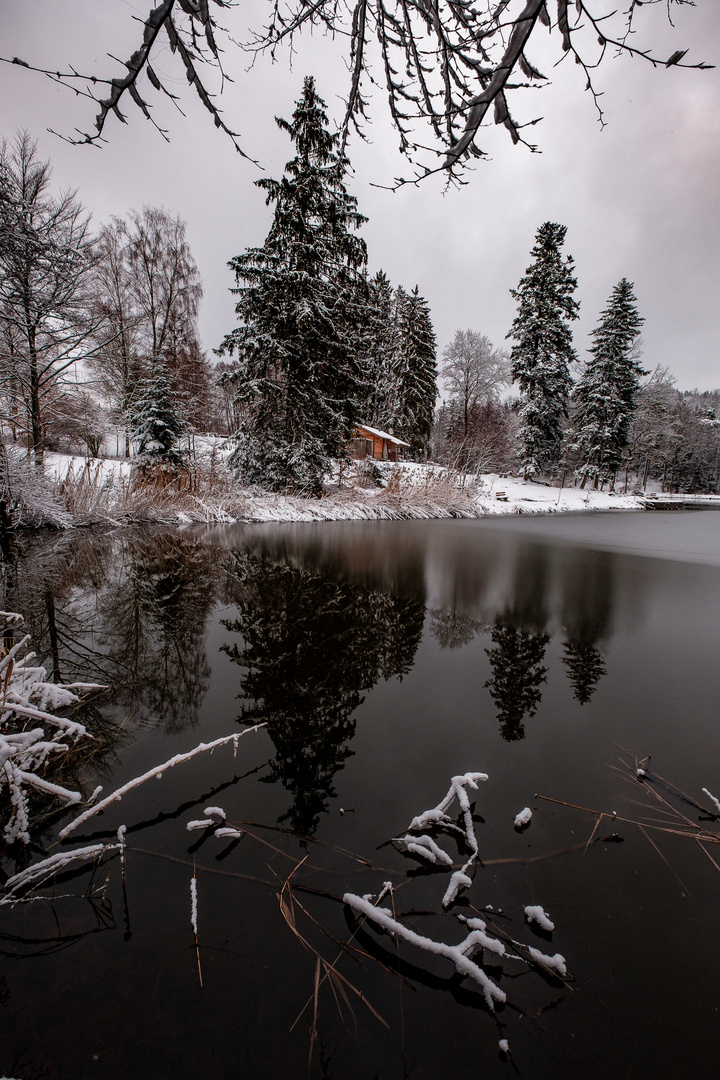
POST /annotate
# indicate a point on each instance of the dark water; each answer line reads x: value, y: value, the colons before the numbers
x: 384, y: 658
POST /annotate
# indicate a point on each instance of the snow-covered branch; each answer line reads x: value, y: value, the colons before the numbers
x: 26, y: 695
x: 157, y: 771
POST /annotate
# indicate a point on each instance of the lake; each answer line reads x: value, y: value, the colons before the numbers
x: 555, y: 654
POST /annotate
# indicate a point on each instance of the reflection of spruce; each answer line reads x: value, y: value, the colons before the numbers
x: 516, y: 662
x: 585, y: 667
x: 451, y: 629
x: 311, y: 646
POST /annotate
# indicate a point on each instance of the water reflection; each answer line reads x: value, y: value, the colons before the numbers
x: 516, y: 660
x: 310, y: 647
x: 585, y: 666
x: 587, y: 618
x: 324, y: 613
x: 452, y: 630
x: 154, y: 620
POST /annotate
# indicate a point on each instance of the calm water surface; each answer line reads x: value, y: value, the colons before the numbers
x: 553, y: 654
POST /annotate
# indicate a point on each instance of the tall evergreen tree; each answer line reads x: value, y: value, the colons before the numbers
x: 299, y: 377
x: 543, y: 351
x: 606, y: 393
x: 415, y: 371
x: 379, y: 346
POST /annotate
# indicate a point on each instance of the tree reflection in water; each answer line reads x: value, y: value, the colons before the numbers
x: 128, y: 611
x: 452, y: 629
x: 587, y: 618
x: 311, y: 647
x: 155, y: 618
x: 519, y: 643
x: 516, y: 660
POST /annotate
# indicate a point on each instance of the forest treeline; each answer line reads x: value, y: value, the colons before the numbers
x: 100, y: 350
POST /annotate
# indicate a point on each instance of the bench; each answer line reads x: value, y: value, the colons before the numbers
x: 501, y: 495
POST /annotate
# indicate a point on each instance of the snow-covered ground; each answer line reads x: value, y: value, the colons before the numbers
x: 507, y: 495
x: 400, y: 490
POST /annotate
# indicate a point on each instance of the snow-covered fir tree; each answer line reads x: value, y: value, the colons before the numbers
x: 379, y: 346
x: 157, y: 418
x: 606, y: 393
x: 543, y: 351
x: 414, y: 371
x: 298, y: 381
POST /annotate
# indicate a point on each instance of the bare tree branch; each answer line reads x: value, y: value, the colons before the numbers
x: 443, y: 62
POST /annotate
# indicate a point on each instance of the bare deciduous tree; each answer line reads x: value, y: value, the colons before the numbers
x: 472, y: 371
x: 149, y: 292
x: 46, y: 264
x: 452, y: 65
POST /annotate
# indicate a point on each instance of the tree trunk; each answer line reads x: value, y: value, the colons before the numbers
x: 36, y: 431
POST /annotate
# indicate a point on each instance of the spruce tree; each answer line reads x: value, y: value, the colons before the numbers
x: 298, y: 381
x: 414, y: 371
x: 380, y: 340
x: 606, y: 393
x: 543, y: 351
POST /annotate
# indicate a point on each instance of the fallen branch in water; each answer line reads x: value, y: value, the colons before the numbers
x: 158, y: 771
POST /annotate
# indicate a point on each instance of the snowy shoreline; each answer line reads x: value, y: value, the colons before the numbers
x: 101, y: 492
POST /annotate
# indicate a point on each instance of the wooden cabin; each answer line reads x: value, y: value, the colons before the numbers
x: 369, y: 442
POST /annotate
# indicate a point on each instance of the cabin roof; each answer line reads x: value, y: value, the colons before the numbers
x: 382, y: 434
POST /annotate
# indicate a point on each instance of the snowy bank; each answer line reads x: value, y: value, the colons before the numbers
x: 102, y: 492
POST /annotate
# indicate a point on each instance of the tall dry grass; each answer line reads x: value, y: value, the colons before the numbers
x: 208, y: 493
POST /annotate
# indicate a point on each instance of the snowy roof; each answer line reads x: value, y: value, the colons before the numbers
x: 382, y: 435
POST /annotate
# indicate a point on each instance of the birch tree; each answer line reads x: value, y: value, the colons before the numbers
x: 472, y: 372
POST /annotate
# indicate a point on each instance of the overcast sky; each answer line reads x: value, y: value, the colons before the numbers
x: 639, y: 198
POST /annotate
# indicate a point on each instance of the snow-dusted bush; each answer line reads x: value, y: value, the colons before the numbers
x: 28, y: 498
x: 27, y: 698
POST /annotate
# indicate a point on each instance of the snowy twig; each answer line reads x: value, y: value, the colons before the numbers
x: 158, y: 771
x: 458, y: 954
x: 193, y: 921
x: 39, y: 872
